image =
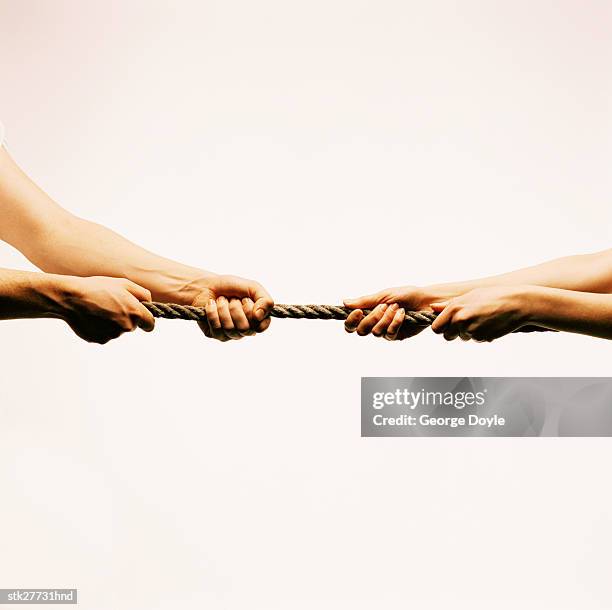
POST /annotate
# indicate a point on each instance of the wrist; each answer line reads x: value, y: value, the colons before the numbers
x: 528, y: 303
x: 438, y: 293
x: 188, y: 287
x: 52, y: 292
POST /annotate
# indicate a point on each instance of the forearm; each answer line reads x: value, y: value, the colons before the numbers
x: 585, y: 273
x: 568, y: 310
x: 98, y: 305
x: 79, y: 247
x: 59, y: 242
x: 29, y: 295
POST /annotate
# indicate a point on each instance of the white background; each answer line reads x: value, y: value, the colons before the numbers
x: 327, y: 148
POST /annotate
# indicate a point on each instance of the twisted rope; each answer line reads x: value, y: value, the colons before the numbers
x: 298, y: 312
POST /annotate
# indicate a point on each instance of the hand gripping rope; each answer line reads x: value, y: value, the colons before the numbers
x: 298, y: 312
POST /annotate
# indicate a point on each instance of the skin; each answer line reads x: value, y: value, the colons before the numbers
x: 572, y: 294
x: 95, y: 280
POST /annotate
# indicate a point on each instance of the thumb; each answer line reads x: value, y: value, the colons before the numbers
x: 367, y: 301
x: 438, y: 307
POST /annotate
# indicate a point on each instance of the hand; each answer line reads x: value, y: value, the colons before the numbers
x: 99, y: 309
x: 483, y: 314
x: 387, y: 315
x: 235, y: 307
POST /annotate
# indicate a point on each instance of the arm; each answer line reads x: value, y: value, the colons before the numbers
x: 584, y: 273
x: 28, y: 295
x: 485, y: 314
x: 59, y: 242
x: 97, y: 308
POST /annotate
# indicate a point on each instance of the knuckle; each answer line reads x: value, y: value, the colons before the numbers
x: 126, y: 325
x: 461, y: 316
x: 138, y: 312
x: 263, y: 325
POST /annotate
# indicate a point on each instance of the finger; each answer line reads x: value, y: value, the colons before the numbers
x: 263, y: 325
x: 366, y: 301
x: 451, y: 333
x: 234, y: 286
x: 239, y: 318
x: 262, y: 308
x: 211, y: 326
x: 142, y: 294
x: 396, y: 324
x: 381, y: 328
x: 352, y: 321
x: 443, y: 319
x: 249, y: 311
x: 438, y: 307
x: 144, y: 318
x: 465, y: 336
x: 478, y: 336
x: 220, y: 335
x: 212, y: 316
x: 225, y: 317
x: 263, y: 301
x: 371, y: 320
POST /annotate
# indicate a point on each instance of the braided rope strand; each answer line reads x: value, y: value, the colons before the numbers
x: 297, y: 312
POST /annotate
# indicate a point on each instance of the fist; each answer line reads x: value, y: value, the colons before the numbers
x: 235, y: 307
x: 483, y: 314
x: 386, y: 317
x: 99, y: 309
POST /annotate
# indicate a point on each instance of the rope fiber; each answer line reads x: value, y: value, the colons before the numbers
x: 175, y: 311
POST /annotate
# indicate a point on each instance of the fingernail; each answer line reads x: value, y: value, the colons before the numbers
x: 394, y: 306
x: 211, y: 302
x: 260, y: 314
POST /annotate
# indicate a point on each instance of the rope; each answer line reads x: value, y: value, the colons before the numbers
x: 298, y: 312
